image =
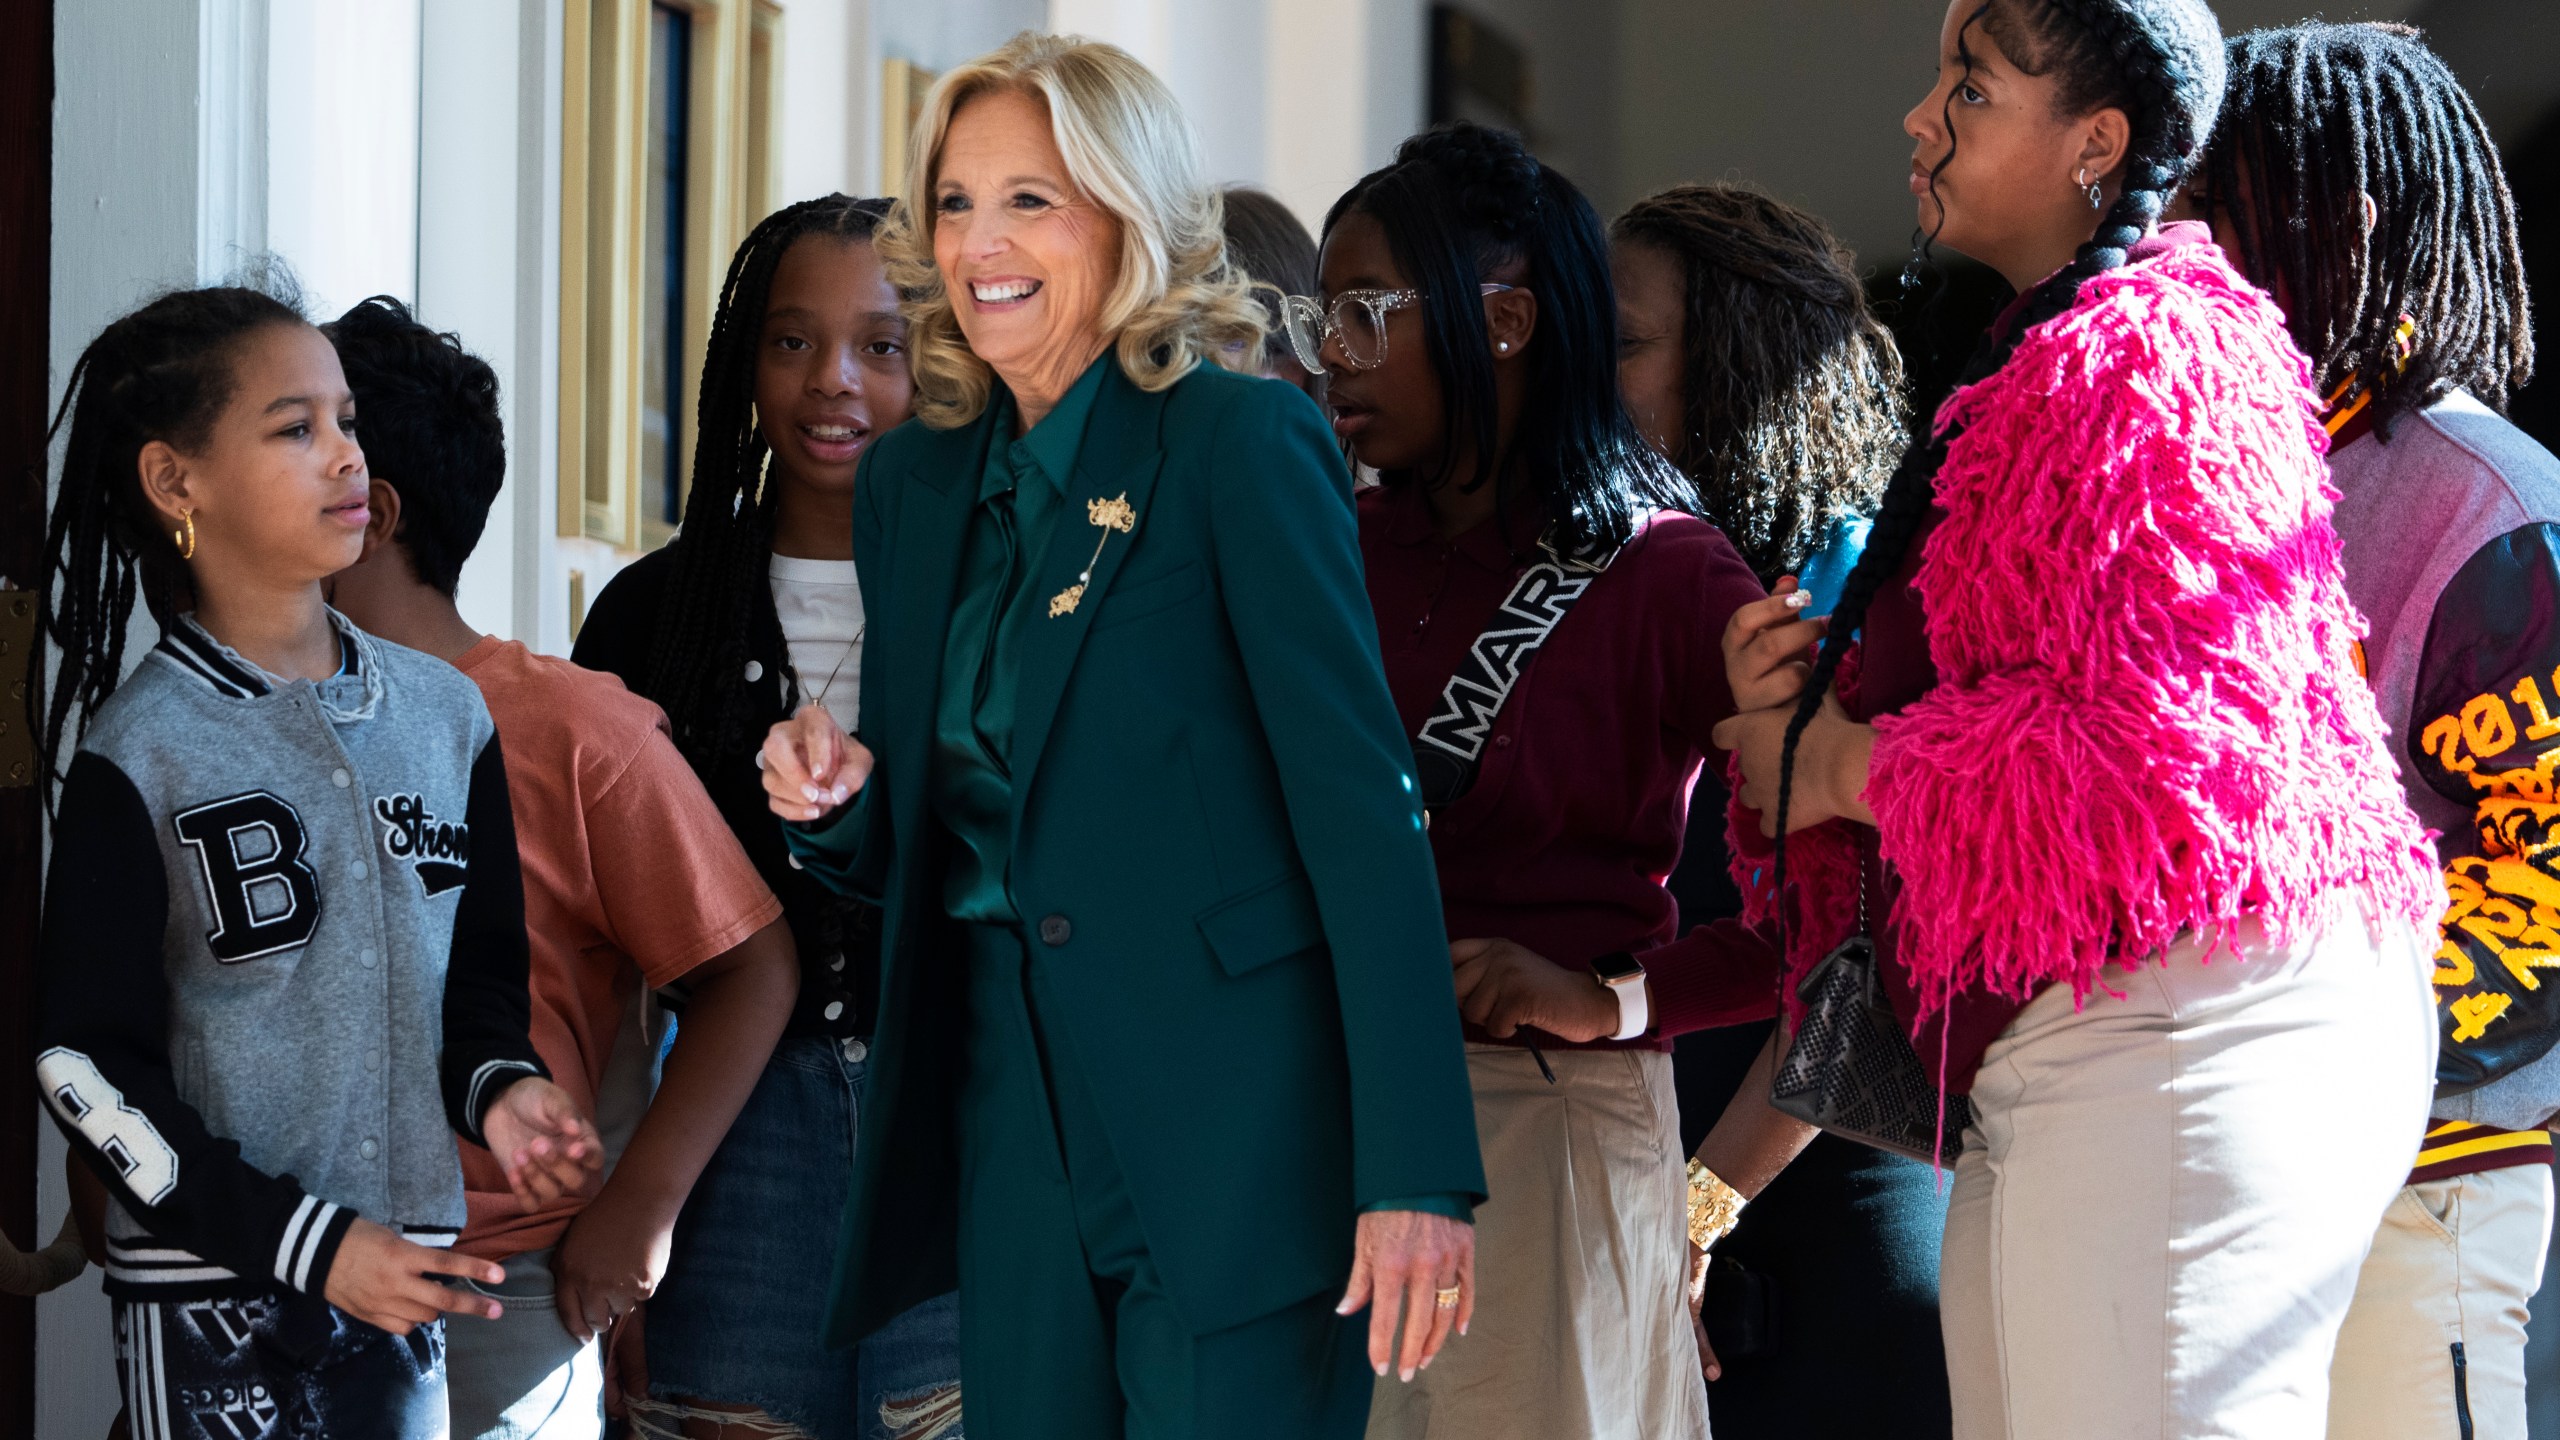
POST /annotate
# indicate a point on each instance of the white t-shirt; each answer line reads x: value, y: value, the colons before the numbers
x: 821, y: 609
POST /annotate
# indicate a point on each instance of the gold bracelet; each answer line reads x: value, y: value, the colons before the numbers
x: 1714, y: 1207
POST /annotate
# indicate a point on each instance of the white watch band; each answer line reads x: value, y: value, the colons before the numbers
x: 1634, y: 1011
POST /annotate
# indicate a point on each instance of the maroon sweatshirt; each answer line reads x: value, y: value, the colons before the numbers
x: 1580, y: 802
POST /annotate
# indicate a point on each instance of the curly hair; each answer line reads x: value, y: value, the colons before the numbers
x: 432, y: 431
x: 1794, y: 413
x: 2317, y: 118
x: 1129, y: 148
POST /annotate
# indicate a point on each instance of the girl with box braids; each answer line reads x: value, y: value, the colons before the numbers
x: 719, y: 607
x: 162, y: 373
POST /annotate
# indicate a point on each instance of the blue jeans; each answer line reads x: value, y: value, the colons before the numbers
x: 277, y: 1364
x: 740, y: 1315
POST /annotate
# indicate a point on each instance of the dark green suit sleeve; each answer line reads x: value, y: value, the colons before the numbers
x: 1286, y: 546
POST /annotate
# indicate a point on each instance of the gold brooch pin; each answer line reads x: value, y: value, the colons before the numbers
x: 1113, y: 514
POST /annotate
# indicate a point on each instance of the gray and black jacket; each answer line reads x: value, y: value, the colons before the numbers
x: 283, y: 960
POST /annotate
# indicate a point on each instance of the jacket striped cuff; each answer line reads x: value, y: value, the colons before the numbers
x: 487, y: 1084
x: 310, y: 1244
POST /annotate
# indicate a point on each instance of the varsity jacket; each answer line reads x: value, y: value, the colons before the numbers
x: 2452, y: 535
x: 283, y: 957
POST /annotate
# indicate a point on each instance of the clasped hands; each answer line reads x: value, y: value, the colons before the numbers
x: 549, y: 1150
x: 1768, y: 647
x: 811, y: 765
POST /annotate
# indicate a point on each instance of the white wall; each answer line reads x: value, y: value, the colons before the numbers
x: 149, y: 192
x: 1300, y: 97
x: 342, y: 146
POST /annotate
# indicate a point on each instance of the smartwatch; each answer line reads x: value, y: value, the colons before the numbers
x: 1619, y: 972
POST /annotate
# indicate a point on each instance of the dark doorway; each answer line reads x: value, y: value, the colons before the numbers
x: 26, y: 236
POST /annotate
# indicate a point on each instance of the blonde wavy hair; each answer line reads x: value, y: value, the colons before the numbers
x: 1132, y: 151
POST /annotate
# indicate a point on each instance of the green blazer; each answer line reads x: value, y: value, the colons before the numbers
x: 1218, y: 853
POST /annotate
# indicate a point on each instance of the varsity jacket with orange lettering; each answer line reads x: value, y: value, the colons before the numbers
x: 2452, y: 531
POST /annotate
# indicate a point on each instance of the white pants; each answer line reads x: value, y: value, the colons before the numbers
x: 2455, y: 1263
x: 2164, y: 1198
x: 1581, y: 1330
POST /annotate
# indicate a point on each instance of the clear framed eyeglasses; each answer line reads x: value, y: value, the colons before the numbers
x: 1358, y: 318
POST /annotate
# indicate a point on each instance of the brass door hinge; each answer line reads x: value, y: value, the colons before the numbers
x: 18, y: 659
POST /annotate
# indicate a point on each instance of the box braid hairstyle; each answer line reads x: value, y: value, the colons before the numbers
x: 162, y: 373
x: 2319, y: 116
x: 1794, y: 413
x: 2159, y: 61
x: 718, y: 610
x: 1463, y: 199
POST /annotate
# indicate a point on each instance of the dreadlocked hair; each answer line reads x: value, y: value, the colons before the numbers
x: 719, y: 610
x: 1794, y: 413
x: 1456, y: 203
x: 2317, y: 118
x: 162, y: 373
x: 2161, y: 63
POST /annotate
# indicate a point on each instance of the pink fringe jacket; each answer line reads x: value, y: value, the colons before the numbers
x: 2149, y: 719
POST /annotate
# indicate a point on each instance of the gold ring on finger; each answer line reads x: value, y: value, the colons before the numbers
x: 1446, y: 1299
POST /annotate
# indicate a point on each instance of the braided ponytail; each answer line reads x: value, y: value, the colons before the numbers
x: 718, y: 609
x: 2161, y: 62
x: 162, y: 373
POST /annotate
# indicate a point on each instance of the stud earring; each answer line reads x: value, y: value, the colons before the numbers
x: 185, y: 535
x: 1503, y: 347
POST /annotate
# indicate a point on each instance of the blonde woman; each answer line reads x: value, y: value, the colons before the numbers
x: 1167, y: 1049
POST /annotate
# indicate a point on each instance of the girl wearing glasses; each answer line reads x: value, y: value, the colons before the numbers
x: 1468, y: 334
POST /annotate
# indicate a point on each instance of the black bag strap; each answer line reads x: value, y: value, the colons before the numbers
x: 1449, y: 748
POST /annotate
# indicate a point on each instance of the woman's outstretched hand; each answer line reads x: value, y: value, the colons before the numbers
x: 1400, y: 1262
x: 1768, y: 645
x: 810, y: 765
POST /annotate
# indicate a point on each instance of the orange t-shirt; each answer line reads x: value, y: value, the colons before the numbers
x: 630, y: 877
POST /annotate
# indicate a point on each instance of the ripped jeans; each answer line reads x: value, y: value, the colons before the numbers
x: 738, y: 1319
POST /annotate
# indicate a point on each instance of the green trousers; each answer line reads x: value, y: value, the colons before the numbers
x: 1066, y: 1332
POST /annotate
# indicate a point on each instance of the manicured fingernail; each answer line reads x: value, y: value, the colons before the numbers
x: 1797, y: 599
x: 842, y: 793
x: 496, y: 1310
x: 1382, y: 1369
x: 1406, y: 1374
x: 1462, y: 1329
x: 1715, y: 1372
x: 1427, y: 1359
x: 812, y: 794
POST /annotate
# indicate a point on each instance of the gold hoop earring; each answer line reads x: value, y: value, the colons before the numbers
x: 185, y: 535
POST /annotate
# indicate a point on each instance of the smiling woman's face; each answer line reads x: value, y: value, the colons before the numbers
x: 1027, y: 257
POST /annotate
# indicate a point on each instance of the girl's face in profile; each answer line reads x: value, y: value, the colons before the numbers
x: 831, y: 374
x: 277, y: 486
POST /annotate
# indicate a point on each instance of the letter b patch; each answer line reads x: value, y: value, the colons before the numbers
x: 265, y: 897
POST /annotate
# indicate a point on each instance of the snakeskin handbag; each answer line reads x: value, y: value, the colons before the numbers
x: 1852, y: 1071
